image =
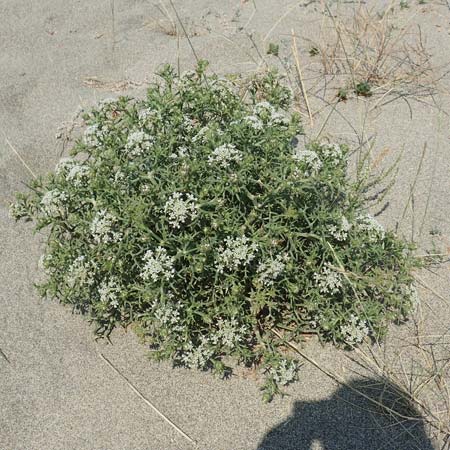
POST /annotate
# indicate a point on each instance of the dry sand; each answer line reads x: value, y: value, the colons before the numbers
x: 55, y: 390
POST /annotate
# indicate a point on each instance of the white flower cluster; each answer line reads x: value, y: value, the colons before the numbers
x: 166, y: 314
x: 237, y: 252
x: 16, y: 210
x: 179, y: 210
x: 411, y: 293
x: 198, y: 356
x: 73, y: 170
x: 224, y: 155
x: 78, y: 174
x: 80, y: 271
x: 263, y: 107
x: 316, y: 320
x: 189, y: 124
x: 285, y: 372
x: 109, y: 292
x: 328, y: 280
x: 270, y: 270
x: 254, y: 121
x: 45, y: 263
x: 144, y: 115
x: 93, y: 135
x: 119, y: 177
x: 102, y: 228
x: 331, y: 152
x: 340, y: 232
x: 64, y: 164
x: 182, y: 152
x: 368, y: 223
x: 201, y: 135
x: 355, y: 331
x: 158, y: 265
x: 229, y: 333
x: 53, y: 202
x: 138, y: 142
x: 265, y: 112
x: 310, y: 159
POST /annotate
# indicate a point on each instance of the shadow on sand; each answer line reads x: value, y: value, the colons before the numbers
x: 348, y: 421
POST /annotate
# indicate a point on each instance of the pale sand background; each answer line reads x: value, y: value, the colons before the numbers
x: 56, y: 392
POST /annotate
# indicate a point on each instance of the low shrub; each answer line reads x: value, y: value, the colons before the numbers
x: 196, y: 216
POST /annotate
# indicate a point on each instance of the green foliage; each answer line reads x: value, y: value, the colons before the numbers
x: 197, y: 217
x: 404, y: 4
x: 273, y: 49
x: 364, y: 89
x: 342, y: 94
x: 314, y: 51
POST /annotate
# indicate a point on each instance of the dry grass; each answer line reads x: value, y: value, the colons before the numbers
x: 420, y: 365
x: 367, y: 51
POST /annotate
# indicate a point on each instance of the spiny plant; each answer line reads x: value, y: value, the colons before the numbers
x: 195, y: 215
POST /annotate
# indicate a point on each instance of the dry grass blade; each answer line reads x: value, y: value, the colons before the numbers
x: 4, y: 356
x: 300, y: 76
x: 20, y: 158
x: 378, y: 49
x: 342, y: 382
x: 147, y: 402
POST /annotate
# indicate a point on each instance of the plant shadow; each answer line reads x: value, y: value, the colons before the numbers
x: 382, y: 418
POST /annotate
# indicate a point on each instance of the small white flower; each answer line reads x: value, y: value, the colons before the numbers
x: 109, y: 292
x: 270, y: 270
x: 158, y: 265
x: 278, y: 118
x: 200, y: 136
x: 368, y: 223
x: 263, y: 108
x: 64, y: 164
x: 328, y: 280
x: 53, y: 203
x: 119, y: 177
x: 332, y: 152
x: 224, y: 155
x: 80, y: 271
x: 168, y: 314
x: 189, y: 124
x: 355, y: 331
x: 93, y: 135
x: 266, y: 113
x: 237, y: 252
x: 78, y: 174
x: 138, y: 143
x: 309, y: 159
x: 179, y: 210
x: 182, y: 152
x: 340, y: 232
x: 412, y: 295
x: 229, y: 333
x: 255, y: 122
x: 197, y: 356
x: 16, y: 211
x: 102, y: 228
x: 45, y: 263
x: 285, y: 372
x: 144, y: 115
